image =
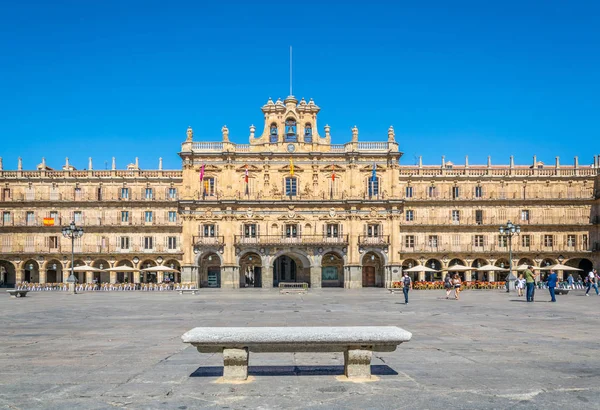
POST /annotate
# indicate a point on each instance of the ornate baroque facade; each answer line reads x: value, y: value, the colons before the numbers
x: 292, y: 206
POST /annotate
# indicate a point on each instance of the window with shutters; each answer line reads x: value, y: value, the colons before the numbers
x: 455, y: 192
x: 78, y: 194
x: 172, y: 216
x: 209, y: 186
x: 78, y: 217
x: 6, y: 218
x: 526, y: 241
x: 249, y: 230
x: 124, y: 193
x: 29, y: 244
x: 99, y: 194
x: 478, y: 192
x: 410, y: 215
x: 456, y: 240
x: 124, y: 216
x: 53, y: 242
x: 333, y: 230
x: 432, y: 241
x: 373, y: 186
x: 571, y: 241
x: 291, y: 186
x: 409, y: 241
x: 209, y: 230
x: 149, y: 194
x: 502, y: 241
x: 456, y: 216
x: 172, y: 193
x: 479, y: 217
x: 172, y: 243
x: 584, y: 243
x: 6, y: 194
x: 124, y: 242
x: 373, y: 231
x: 548, y: 241
x: 54, y: 215
x: 30, y: 217
x: 478, y: 241
x: 525, y: 215
x: 409, y: 192
x: 148, y: 242
x: 291, y: 231
x: 148, y: 216
x: 432, y: 191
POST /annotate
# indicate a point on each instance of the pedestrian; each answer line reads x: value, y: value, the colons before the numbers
x: 457, y: 284
x: 552, y: 279
x: 407, y: 282
x: 448, y: 285
x: 570, y: 281
x: 520, y: 285
x: 529, y: 282
x: 591, y: 282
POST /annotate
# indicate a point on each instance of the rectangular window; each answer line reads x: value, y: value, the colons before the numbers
x: 250, y: 231
x: 6, y: 194
x: 525, y: 215
x: 373, y: 186
x: 30, y: 218
x: 478, y: 241
x: 149, y: 193
x: 209, y: 186
x: 148, y: 216
x: 410, y: 215
x: 478, y: 192
x: 78, y: 194
x: 78, y: 217
x: 172, y: 242
x: 124, y: 242
x: 455, y: 192
x: 148, y: 242
x: 332, y: 230
x: 373, y: 231
x: 455, y: 216
x: 54, y: 215
x: 479, y: 217
x: 432, y: 241
x: 571, y: 241
x: 291, y: 231
x: 502, y: 241
x: 455, y: 240
x: 124, y: 216
x: 124, y: 193
x: 526, y: 241
x: 431, y: 192
x: 549, y: 241
x: 409, y: 241
x: 172, y: 193
x: 409, y: 192
x: 584, y: 242
x: 290, y: 187
x: 6, y: 217
x: 209, y: 231
x: 53, y: 242
x: 172, y: 216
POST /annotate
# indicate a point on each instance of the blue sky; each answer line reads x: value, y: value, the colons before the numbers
x: 125, y: 78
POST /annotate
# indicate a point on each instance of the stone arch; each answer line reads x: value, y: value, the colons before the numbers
x: 31, y: 272
x: 505, y: 264
x: 125, y: 277
x: 8, y: 274
x: 101, y: 277
x: 174, y: 277
x: 54, y: 271
x: 547, y: 262
x: 291, y: 265
x: 436, y: 264
x: 251, y: 267
x: 411, y: 263
x: 580, y: 263
x: 373, y: 268
x: 149, y: 276
x: 332, y: 269
x: 209, y: 269
x: 457, y: 261
x: 526, y: 261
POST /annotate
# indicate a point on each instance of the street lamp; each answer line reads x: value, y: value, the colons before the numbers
x: 508, y: 231
x: 72, y: 232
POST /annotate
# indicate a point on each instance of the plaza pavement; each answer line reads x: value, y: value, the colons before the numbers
x: 489, y: 350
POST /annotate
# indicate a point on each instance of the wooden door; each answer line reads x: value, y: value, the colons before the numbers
x: 368, y: 274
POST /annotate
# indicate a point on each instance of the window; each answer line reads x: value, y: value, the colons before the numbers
x: 410, y: 215
x: 308, y: 133
x: 209, y: 186
x: 549, y: 241
x: 124, y: 216
x: 149, y: 193
x: 455, y: 240
x: 250, y: 231
x: 332, y: 230
x: 290, y: 130
x: 99, y: 193
x: 372, y: 231
x: 6, y: 194
x: 124, y: 242
x: 525, y: 215
x: 455, y: 192
x: 571, y: 241
x: 291, y: 231
x: 502, y: 241
x: 148, y: 242
x: 478, y: 240
x: 409, y: 241
x: 584, y: 242
x: 409, y: 192
x: 124, y: 193
x: 209, y: 230
x: 455, y: 216
x: 432, y: 241
x: 431, y: 192
x: 373, y: 186
x: 6, y: 217
x: 291, y: 186
x: 54, y: 215
x: 172, y: 243
x: 172, y: 216
x: 78, y: 217
x: 273, y: 133
x: 53, y: 242
x: 478, y: 192
x: 526, y: 241
x: 30, y: 218
x: 148, y: 216
x: 479, y: 217
x: 172, y: 193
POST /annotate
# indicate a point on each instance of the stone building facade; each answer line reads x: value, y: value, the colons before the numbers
x: 290, y: 206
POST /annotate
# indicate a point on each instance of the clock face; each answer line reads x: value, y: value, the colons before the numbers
x: 291, y: 148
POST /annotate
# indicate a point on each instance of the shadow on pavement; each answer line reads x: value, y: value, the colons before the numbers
x: 217, y: 371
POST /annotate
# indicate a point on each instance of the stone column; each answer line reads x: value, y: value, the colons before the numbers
x: 421, y: 276
x: 42, y: 276
x: 491, y: 276
x: 160, y: 276
x: 66, y: 273
x: 235, y: 364
x: 19, y: 275
x: 188, y: 274
x: 136, y: 277
x: 353, y: 277
x: 89, y: 277
x: 113, y: 277
x: 230, y: 277
x: 267, y: 276
x: 560, y: 273
x: 468, y: 276
x: 395, y: 274
x: 315, y: 277
x: 357, y: 363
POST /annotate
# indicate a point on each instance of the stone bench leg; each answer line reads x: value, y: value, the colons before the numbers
x: 357, y: 362
x: 235, y: 364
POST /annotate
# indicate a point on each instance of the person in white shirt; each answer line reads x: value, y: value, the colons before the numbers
x: 591, y: 282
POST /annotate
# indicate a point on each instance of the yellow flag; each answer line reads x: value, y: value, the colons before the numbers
x: 291, y: 167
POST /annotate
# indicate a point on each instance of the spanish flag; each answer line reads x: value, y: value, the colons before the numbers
x: 333, y: 172
x: 291, y: 167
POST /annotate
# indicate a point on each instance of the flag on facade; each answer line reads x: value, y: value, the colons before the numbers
x: 246, y: 180
x: 202, y: 180
x: 291, y: 167
x: 332, y: 172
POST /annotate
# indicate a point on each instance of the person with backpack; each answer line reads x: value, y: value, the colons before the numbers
x: 448, y: 285
x: 591, y: 282
x: 407, y: 285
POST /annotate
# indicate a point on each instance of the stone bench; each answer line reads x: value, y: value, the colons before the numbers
x: 356, y: 342
x: 293, y: 287
x: 192, y: 291
x: 17, y: 293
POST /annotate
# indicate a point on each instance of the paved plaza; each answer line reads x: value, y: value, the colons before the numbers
x: 489, y: 350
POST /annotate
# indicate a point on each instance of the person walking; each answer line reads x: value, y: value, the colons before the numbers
x: 457, y: 284
x: 591, y: 282
x: 529, y: 282
x: 407, y: 285
x: 552, y: 279
x: 520, y: 285
x: 448, y: 285
x: 570, y: 281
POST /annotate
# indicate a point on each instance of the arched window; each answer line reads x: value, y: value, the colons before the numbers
x: 273, y: 133
x: 290, y: 130
x: 308, y: 133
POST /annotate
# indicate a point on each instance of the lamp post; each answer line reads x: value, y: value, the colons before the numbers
x: 72, y: 232
x: 508, y: 231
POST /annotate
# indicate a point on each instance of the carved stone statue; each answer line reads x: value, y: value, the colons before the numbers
x: 190, y: 134
x: 225, y: 132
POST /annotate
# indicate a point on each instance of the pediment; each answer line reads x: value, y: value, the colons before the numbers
x: 369, y: 168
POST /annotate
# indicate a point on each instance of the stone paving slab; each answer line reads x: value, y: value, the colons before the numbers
x: 489, y: 350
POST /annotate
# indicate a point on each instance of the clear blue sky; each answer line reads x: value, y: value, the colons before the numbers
x: 125, y: 78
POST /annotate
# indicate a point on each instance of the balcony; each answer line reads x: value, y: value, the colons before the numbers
x: 208, y: 240
x: 374, y: 240
x: 297, y: 239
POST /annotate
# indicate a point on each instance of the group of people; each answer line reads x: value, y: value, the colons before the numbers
x: 450, y: 283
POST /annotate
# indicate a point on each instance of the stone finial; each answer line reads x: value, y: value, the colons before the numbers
x: 137, y: 163
x: 512, y: 161
x: 557, y: 162
x: 160, y: 163
x: 354, y: 134
x: 190, y: 134
x: 1, y: 166
x: 90, y: 166
x: 252, y: 131
x: 327, y: 131
x: 535, y: 161
x: 443, y: 161
x: 225, y: 132
x: 576, y: 162
x: 420, y: 161
x: 489, y: 164
x: 466, y: 161
x: 20, y: 164
x: 391, y: 134
x: 67, y: 163
x: 114, y: 163
x: 43, y: 164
